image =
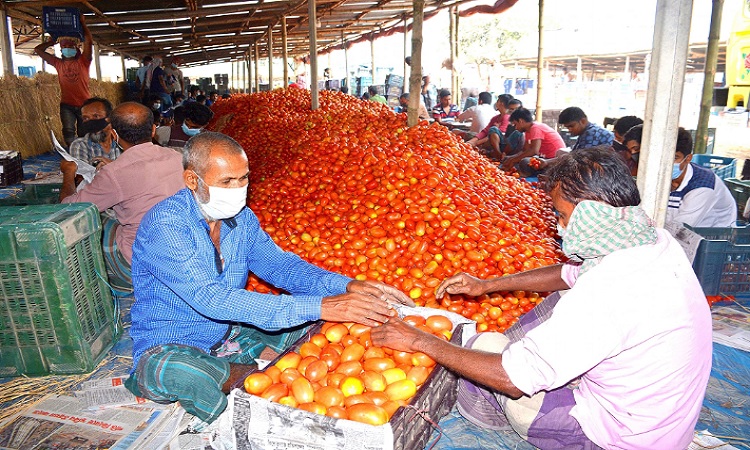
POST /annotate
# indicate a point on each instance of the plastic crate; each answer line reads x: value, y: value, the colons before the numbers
x: 740, y: 191
x: 721, y: 166
x: 434, y: 399
x: 62, y: 22
x: 56, y: 312
x: 11, y: 168
x: 35, y: 194
x: 722, y: 262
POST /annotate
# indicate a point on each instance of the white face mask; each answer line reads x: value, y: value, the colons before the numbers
x: 223, y: 203
x: 560, y: 231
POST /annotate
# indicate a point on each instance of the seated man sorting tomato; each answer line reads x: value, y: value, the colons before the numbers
x: 639, y: 345
x: 195, y: 329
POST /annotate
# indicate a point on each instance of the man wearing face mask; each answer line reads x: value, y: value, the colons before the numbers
x: 196, y: 329
x: 97, y: 147
x: 73, y: 76
x: 197, y: 117
x: 143, y: 175
x: 699, y: 198
x: 642, y: 375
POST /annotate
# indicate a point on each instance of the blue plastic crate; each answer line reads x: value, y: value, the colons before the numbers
x: 722, y: 262
x: 722, y: 166
x: 62, y: 22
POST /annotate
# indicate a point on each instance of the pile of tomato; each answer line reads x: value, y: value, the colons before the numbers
x: 340, y: 373
x: 349, y: 187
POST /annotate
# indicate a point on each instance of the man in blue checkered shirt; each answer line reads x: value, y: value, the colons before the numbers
x: 589, y: 134
x: 195, y: 329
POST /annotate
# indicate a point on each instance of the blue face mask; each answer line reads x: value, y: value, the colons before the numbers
x: 68, y: 52
x: 676, y: 171
x: 190, y: 131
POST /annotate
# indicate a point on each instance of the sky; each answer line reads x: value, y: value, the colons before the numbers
x: 579, y: 27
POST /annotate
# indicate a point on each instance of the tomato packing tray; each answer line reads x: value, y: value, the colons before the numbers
x: 409, y: 428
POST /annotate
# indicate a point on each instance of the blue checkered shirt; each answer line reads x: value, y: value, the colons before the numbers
x: 184, y: 296
x: 85, y: 149
x: 592, y: 136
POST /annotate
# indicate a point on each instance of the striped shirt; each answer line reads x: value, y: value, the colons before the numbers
x: 701, y: 200
x: 184, y: 295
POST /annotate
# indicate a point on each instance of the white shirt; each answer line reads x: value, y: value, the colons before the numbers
x: 479, y: 115
x: 704, y: 207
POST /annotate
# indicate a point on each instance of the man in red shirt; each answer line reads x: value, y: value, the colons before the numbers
x: 539, y: 141
x: 73, y: 75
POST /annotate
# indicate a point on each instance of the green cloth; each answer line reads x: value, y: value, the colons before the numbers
x: 596, y: 229
x: 379, y: 98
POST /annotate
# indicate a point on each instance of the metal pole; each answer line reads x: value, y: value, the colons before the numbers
x: 270, y: 57
x: 312, y: 26
x: 709, y: 72
x: 5, y: 47
x: 540, y: 64
x: 415, y: 79
x: 255, y: 60
x: 665, y: 82
x: 284, y: 52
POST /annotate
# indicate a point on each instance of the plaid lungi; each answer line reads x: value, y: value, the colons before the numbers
x: 118, y: 268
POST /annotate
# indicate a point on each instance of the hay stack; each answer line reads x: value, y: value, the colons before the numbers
x: 31, y: 107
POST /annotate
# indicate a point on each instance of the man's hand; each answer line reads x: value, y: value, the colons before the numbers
x: 379, y: 290
x: 356, y: 307
x: 100, y: 161
x: 462, y: 283
x: 399, y: 335
x: 508, y: 164
x: 68, y: 167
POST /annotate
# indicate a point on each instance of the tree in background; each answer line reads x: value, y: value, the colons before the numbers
x: 484, y: 40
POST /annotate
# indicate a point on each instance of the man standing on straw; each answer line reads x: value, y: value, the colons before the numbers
x: 73, y: 75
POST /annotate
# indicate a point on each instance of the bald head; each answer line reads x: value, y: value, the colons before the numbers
x: 203, y: 148
x: 133, y: 122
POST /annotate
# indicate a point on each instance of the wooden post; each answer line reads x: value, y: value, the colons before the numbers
x: 709, y: 72
x: 452, y: 53
x: 455, y: 51
x: 125, y: 71
x: 346, y: 64
x: 626, y: 72
x: 97, y: 63
x: 540, y: 64
x: 372, y: 56
x: 415, y: 79
x: 406, y: 53
x: 5, y: 39
x: 270, y: 57
x: 284, y: 52
x: 664, y: 95
x: 255, y: 60
x: 312, y: 26
x: 250, y: 73
x: 249, y: 83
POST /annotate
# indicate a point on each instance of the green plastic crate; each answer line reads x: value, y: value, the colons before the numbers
x: 722, y: 262
x: 35, y: 194
x: 740, y: 191
x: 56, y: 312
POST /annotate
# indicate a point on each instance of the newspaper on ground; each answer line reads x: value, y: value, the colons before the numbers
x: 704, y: 440
x: 107, y: 393
x: 731, y: 327
x: 254, y: 423
x: 86, y: 170
x: 59, y: 421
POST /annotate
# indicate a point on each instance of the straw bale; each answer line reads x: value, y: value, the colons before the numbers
x: 30, y: 107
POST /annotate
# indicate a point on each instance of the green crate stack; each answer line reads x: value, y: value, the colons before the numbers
x: 57, y: 315
x: 35, y: 194
x: 722, y: 261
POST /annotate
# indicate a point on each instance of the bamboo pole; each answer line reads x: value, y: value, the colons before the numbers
x: 452, y: 43
x: 284, y: 51
x: 255, y: 61
x: 415, y: 79
x: 540, y: 64
x: 312, y: 25
x: 97, y: 62
x: 701, y: 132
x: 372, y: 56
x: 270, y: 57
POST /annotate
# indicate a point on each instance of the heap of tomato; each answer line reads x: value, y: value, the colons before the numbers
x: 340, y: 373
x: 350, y: 188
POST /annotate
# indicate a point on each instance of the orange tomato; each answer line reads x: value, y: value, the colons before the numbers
x: 401, y: 390
x: 257, y: 382
x: 374, y: 381
x: 289, y: 401
x: 439, y: 323
x: 394, y: 374
x: 275, y: 391
x: 355, y: 399
x: 378, y: 364
x: 289, y: 375
x: 374, y: 352
x: 351, y: 386
x: 349, y: 368
x: 273, y: 372
x: 309, y: 349
x: 418, y: 374
x: 290, y: 360
x: 319, y: 340
x: 302, y: 390
x: 420, y: 359
x: 337, y: 412
x: 414, y: 320
x: 353, y: 352
x: 316, y: 371
x: 367, y: 413
x: 313, y: 407
x: 336, y: 332
x: 329, y: 396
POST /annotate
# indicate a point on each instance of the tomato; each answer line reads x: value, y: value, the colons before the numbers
x: 439, y: 323
x: 334, y: 379
x: 319, y: 340
x: 390, y: 407
x: 353, y: 352
x: 377, y: 398
x: 374, y: 352
x: 309, y: 349
x: 418, y: 374
x: 374, y: 381
x: 378, y: 364
x: 356, y: 399
x: 316, y: 371
x: 394, y: 374
x: 275, y: 391
x: 349, y: 368
x: 290, y: 360
x: 273, y: 372
x: 329, y: 396
x: 336, y: 332
x: 420, y: 359
x: 289, y: 401
x: 302, y: 390
x: 331, y: 359
x: 401, y: 390
x: 337, y: 412
x: 313, y: 407
x: 414, y: 320
x: 257, y: 382
x: 289, y: 375
x: 367, y: 413
x: 351, y: 386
